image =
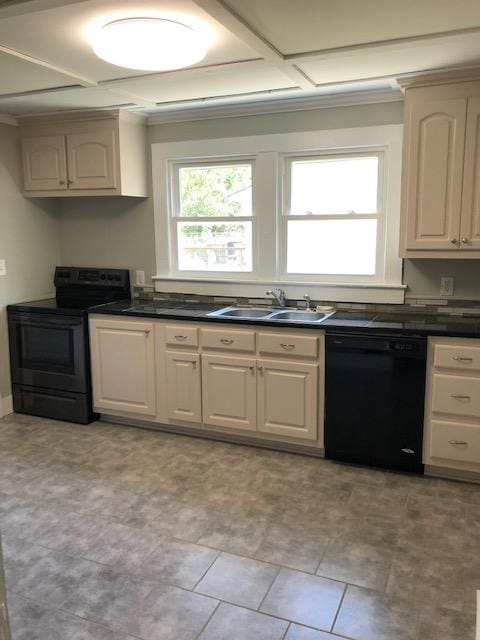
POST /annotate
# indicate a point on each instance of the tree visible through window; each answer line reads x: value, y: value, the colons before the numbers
x: 212, y: 195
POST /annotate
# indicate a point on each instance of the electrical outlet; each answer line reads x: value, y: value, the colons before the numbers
x: 3, y: 268
x: 447, y: 286
x: 140, y: 278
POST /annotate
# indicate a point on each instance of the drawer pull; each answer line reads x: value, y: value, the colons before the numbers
x: 459, y: 396
x: 287, y: 347
x: 462, y: 359
x: 180, y: 338
x: 260, y: 369
x: 147, y: 332
x: 458, y: 443
x: 226, y: 341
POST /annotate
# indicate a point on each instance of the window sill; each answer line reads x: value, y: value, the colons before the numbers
x: 380, y: 293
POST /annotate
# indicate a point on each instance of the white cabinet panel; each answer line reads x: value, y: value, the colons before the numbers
x: 92, y: 160
x: 184, y: 397
x: 123, y: 366
x: 229, y: 392
x: 288, y: 398
x: 44, y: 163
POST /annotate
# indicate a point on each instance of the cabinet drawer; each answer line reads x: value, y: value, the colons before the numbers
x: 457, y: 357
x: 458, y: 395
x: 179, y: 335
x: 288, y: 344
x: 228, y: 340
x: 455, y: 441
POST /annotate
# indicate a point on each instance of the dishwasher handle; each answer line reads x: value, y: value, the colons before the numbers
x: 396, y: 346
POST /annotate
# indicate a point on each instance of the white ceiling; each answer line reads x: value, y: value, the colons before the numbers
x: 259, y: 49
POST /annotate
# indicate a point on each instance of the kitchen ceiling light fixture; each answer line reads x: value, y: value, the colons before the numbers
x: 149, y: 44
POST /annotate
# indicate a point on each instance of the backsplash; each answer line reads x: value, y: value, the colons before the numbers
x: 411, y: 305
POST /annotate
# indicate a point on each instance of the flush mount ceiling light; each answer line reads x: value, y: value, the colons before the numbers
x: 149, y: 44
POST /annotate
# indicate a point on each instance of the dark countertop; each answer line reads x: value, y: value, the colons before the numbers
x: 343, y: 321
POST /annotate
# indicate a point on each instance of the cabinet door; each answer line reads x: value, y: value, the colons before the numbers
x: 184, y: 399
x: 470, y: 224
x: 229, y: 392
x: 92, y: 160
x: 123, y: 366
x: 44, y: 163
x: 288, y: 398
x: 433, y: 173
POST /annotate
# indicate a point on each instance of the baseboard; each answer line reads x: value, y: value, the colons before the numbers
x: 6, y: 406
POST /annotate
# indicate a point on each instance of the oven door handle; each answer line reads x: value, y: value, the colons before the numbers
x: 59, y: 322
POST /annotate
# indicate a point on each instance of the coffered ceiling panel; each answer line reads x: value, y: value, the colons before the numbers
x: 62, y: 35
x: 206, y: 83
x: 310, y: 25
x: 393, y: 60
x: 64, y: 100
x: 18, y: 75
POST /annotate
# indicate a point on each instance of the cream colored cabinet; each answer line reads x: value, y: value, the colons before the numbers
x: 440, y: 211
x: 184, y: 398
x: 44, y: 163
x: 288, y: 398
x: 78, y: 155
x: 452, y: 406
x: 229, y: 387
x: 123, y: 365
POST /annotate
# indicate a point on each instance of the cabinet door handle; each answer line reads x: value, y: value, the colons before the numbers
x: 180, y: 338
x: 260, y: 369
x: 287, y: 347
x: 252, y: 368
x: 459, y: 396
x: 454, y: 241
x: 194, y: 363
x: 61, y: 182
x: 458, y: 443
x: 146, y: 332
x: 465, y: 240
x: 226, y: 341
x: 69, y: 182
x: 462, y: 359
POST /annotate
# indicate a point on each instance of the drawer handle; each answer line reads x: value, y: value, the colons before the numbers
x: 459, y: 396
x: 226, y: 341
x: 146, y: 332
x: 462, y: 359
x: 287, y: 347
x: 458, y: 443
x: 180, y: 338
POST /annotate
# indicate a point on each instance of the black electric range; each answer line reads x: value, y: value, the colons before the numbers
x: 49, y: 347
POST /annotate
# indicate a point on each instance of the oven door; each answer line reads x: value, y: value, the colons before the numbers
x: 48, y: 351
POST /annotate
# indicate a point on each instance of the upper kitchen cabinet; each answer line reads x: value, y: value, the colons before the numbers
x: 441, y: 169
x: 85, y: 155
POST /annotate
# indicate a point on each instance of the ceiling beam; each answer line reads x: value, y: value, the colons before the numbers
x: 81, y: 80
x: 132, y: 97
x: 234, y: 23
x: 21, y: 7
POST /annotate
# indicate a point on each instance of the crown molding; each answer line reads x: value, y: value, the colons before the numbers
x: 351, y: 98
x: 447, y: 75
x: 7, y: 119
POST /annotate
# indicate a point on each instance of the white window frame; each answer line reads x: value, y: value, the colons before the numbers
x: 380, y: 216
x: 269, y: 153
x: 175, y: 217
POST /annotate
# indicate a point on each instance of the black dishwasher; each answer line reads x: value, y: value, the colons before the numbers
x: 374, y: 405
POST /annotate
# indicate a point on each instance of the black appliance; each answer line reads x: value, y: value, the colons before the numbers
x: 375, y: 390
x: 49, y: 348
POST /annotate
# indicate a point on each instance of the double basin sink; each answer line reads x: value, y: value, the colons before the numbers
x: 269, y: 313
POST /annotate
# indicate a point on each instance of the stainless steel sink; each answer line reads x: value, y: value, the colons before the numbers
x: 242, y: 313
x: 298, y: 316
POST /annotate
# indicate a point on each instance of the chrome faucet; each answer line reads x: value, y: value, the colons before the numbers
x: 308, y: 302
x: 279, y: 295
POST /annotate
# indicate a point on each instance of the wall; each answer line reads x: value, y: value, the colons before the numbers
x: 29, y: 242
x: 119, y: 232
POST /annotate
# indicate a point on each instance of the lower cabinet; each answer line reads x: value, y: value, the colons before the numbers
x: 184, y: 395
x: 288, y: 398
x: 123, y: 366
x: 229, y: 392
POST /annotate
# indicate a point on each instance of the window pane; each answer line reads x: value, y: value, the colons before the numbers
x: 218, y: 190
x: 332, y: 246
x: 343, y: 185
x: 214, y: 246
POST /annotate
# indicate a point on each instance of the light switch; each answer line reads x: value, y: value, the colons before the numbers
x: 140, y: 277
x: 3, y: 268
x: 447, y: 286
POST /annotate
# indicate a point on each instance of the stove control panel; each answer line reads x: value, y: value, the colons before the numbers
x: 88, y: 277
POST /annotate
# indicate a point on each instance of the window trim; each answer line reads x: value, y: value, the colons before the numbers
x: 268, y: 151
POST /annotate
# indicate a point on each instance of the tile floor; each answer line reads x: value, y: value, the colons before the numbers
x: 117, y: 533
